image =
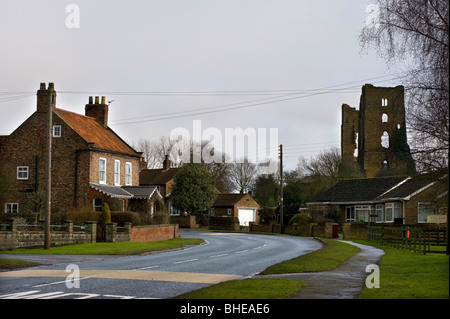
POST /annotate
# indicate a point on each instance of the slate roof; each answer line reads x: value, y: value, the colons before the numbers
x: 141, y: 192
x: 93, y: 132
x: 374, y: 189
x: 138, y: 192
x: 409, y: 187
x: 228, y: 199
x: 113, y: 191
x: 156, y: 176
x: 357, y: 190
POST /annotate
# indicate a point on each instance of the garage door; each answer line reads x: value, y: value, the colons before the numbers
x: 246, y: 215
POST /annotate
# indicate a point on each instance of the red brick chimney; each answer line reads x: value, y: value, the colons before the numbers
x: 97, y: 110
x: 166, y: 163
x: 46, y: 97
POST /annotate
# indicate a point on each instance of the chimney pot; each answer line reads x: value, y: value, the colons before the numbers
x: 103, y: 100
x: 96, y: 100
x: 90, y: 100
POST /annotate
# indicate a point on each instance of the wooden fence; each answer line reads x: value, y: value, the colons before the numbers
x: 414, y: 239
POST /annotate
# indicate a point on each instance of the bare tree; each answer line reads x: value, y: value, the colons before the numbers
x: 414, y: 34
x: 325, y: 164
x: 242, y: 175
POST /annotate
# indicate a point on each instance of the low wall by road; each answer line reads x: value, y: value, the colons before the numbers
x: 154, y: 232
x: 14, y: 235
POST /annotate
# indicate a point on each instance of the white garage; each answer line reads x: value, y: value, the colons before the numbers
x: 246, y: 215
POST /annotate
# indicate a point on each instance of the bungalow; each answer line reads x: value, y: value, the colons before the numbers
x: 389, y: 200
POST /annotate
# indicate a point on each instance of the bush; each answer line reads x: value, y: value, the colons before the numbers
x: 301, y: 219
x: 105, y: 216
x: 77, y: 215
x: 126, y: 217
x: 267, y: 215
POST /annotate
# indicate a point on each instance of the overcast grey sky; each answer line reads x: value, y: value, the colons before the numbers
x: 206, y: 49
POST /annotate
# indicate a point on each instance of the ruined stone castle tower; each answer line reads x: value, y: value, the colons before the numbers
x: 373, y: 138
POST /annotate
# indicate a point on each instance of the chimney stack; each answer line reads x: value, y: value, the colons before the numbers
x: 46, y: 97
x: 97, y: 110
x: 166, y: 163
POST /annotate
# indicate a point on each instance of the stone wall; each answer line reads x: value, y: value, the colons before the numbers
x: 14, y: 235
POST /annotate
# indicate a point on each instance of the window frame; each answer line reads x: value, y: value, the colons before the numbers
x: 379, y: 210
x: 97, y: 208
x: 429, y: 205
x: 100, y: 171
x: 389, y: 210
x: 350, y: 214
x: 54, y: 131
x: 117, y: 172
x: 128, y: 175
x: 26, y: 172
x: 10, y: 210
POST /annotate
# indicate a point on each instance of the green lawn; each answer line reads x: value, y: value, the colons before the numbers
x: 15, y: 263
x: 258, y: 288
x: 125, y: 248
x: 326, y: 258
x: 409, y: 275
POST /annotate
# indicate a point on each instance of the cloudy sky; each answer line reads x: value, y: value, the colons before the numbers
x: 285, y: 64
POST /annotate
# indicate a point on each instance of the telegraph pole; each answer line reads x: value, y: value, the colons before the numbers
x: 281, y: 187
x: 48, y: 171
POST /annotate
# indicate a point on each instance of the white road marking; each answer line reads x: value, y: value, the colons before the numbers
x: 149, y: 267
x: 240, y: 252
x: 57, y: 282
x: 215, y: 256
x: 185, y: 261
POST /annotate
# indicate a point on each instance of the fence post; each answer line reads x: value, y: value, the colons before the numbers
x: 110, y: 232
x: 128, y: 230
x: 69, y: 230
x: 91, y: 229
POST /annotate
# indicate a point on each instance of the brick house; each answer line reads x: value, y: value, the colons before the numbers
x: 91, y: 164
x: 241, y: 206
x: 162, y: 179
x: 419, y: 199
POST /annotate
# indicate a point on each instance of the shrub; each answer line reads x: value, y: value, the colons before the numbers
x: 267, y: 215
x: 301, y: 219
x: 126, y: 217
x: 77, y: 215
x: 105, y: 216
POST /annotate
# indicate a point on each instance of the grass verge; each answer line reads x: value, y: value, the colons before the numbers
x: 125, y: 248
x: 257, y: 288
x: 409, y: 275
x: 326, y: 258
x: 15, y: 264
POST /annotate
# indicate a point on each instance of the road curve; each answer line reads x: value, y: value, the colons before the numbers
x: 224, y: 256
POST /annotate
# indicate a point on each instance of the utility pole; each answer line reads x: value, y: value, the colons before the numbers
x: 281, y: 187
x: 48, y: 170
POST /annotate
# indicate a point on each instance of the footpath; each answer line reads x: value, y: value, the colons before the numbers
x: 344, y: 282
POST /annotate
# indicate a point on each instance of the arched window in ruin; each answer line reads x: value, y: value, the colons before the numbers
x: 384, y: 118
x: 385, y: 140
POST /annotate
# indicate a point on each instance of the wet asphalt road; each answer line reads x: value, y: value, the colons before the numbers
x: 225, y: 256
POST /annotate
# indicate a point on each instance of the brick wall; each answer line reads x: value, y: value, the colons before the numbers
x: 151, y: 233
